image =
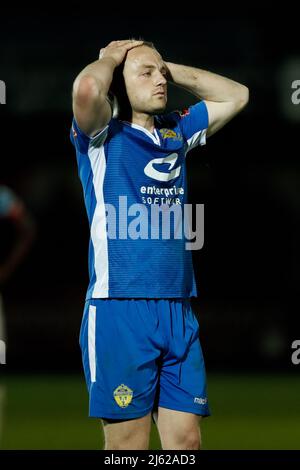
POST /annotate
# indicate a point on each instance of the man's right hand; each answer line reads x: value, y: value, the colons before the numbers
x: 91, y: 108
x: 117, y: 50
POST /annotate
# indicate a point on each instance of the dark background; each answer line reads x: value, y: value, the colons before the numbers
x: 247, y: 176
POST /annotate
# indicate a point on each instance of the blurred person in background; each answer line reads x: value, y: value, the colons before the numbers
x: 14, y: 214
x: 139, y: 336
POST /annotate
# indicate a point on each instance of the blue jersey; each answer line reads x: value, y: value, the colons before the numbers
x: 126, y: 173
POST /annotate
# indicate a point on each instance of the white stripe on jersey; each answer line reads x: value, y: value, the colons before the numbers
x: 98, y: 227
x: 198, y: 138
x: 92, y: 341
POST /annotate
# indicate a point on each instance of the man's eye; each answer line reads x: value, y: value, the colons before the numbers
x: 147, y: 74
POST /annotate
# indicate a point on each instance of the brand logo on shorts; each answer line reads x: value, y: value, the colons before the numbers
x: 123, y: 395
x: 200, y: 401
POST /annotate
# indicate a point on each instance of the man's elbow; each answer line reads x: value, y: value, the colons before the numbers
x: 242, y: 98
x: 85, y: 89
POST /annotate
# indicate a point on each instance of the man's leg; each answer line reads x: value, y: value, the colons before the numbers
x: 178, y: 430
x: 131, y: 434
x: 182, y: 379
x: 120, y: 345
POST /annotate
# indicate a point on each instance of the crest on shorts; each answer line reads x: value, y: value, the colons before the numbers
x: 123, y: 395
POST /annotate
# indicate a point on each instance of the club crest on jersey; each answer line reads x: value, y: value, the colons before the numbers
x: 170, y: 134
x: 123, y: 395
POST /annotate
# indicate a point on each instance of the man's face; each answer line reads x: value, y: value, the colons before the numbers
x: 145, y: 80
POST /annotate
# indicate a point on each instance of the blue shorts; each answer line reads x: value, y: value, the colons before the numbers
x: 139, y: 354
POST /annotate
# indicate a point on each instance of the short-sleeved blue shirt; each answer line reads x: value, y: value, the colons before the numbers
x: 131, y: 180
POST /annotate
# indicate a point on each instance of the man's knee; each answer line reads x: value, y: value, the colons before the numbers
x: 188, y: 441
x: 134, y: 442
x: 179, y: 430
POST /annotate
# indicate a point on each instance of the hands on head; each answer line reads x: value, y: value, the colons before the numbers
x: 117, y: 50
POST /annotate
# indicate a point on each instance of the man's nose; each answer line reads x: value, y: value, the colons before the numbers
x: 160, y: 79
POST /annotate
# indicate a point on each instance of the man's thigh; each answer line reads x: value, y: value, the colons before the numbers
x: 131, y: 434
x: 178, y: 429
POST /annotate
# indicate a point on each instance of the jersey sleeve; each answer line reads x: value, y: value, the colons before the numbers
x: 82, y: 141
x: 193, y: 123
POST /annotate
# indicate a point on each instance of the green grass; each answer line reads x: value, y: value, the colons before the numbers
x: 249, y: 412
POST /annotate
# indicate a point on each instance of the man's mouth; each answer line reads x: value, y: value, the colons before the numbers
x: 160, y: 93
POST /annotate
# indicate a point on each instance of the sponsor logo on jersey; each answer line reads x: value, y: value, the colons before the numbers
x: 123, y: 396
x: 171, y: 159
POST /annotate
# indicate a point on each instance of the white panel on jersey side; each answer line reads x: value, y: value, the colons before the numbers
x: 92, y: 341
x: 98, y: 227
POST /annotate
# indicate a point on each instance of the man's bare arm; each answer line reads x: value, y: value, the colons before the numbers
x: 91, y: 108
x: 224, y: 97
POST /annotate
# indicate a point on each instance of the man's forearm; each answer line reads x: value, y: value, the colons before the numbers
x: 206, y: 85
